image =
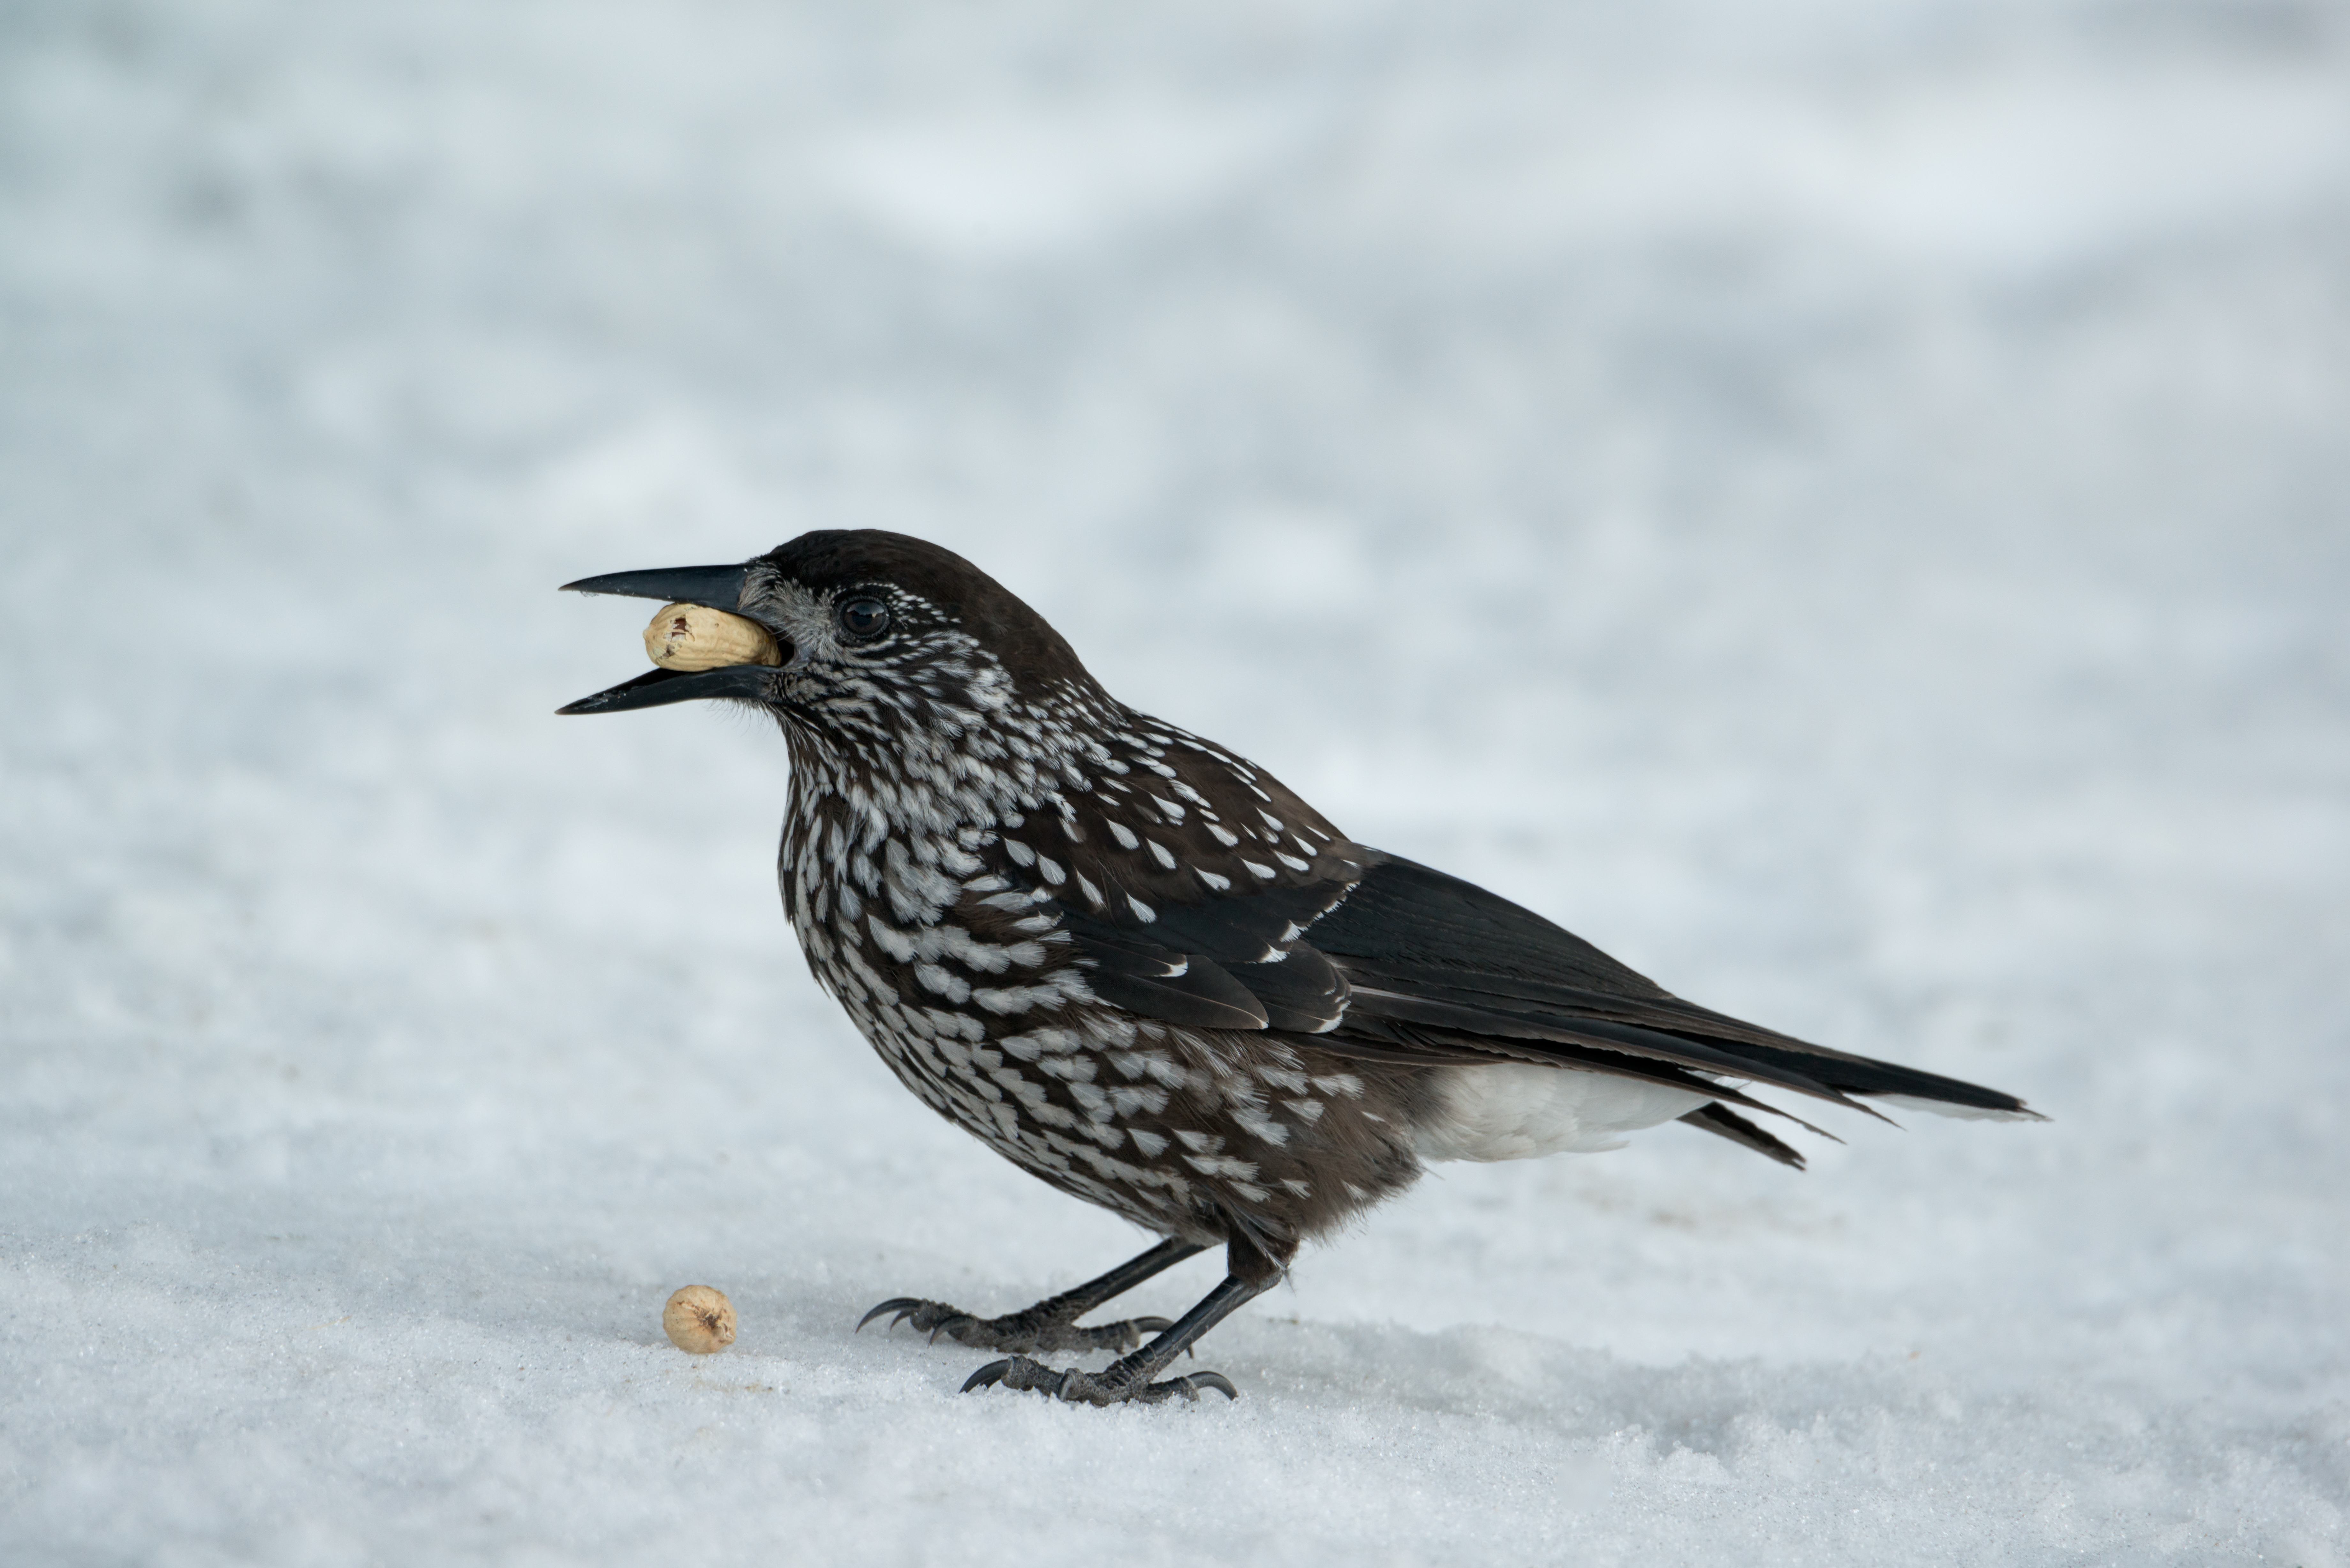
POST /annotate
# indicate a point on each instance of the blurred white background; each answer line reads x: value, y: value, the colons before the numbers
x: 1845, y: 505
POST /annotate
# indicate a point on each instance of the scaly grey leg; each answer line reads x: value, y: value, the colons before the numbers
x: 1250, y: 1272
x: 1050, y: 1325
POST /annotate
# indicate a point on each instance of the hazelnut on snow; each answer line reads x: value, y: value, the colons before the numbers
x: 699, y: 1320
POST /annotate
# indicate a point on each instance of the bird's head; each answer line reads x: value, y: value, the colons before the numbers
x: 880, y: 640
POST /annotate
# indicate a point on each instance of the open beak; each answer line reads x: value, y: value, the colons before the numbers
x: 715, y: 588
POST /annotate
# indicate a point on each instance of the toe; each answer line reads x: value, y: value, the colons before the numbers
x: 988, y: 1376
x: 904, y: 1306
x: 1189, y: 1386
x: 952, y: 1324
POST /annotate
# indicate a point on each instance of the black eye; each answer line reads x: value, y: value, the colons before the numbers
x: 863, y: 618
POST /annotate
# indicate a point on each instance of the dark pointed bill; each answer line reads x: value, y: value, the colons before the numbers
x: 713, y: 588
x: 656, y: 688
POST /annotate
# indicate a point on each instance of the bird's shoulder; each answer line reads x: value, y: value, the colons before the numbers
x: 1180, y: 876
x: 1153, y: 819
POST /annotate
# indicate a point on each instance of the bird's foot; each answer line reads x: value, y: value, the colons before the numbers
x: 1021, y: 1331
x: 1114, y: 1385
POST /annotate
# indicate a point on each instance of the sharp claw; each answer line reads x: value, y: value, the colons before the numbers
x: 1073, y: 1386
x: 902, y: 1305
x: 1019, y: 1373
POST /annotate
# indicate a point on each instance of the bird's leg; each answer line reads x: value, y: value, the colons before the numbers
x: 1250, y: 1272
x: 1050, y: 1325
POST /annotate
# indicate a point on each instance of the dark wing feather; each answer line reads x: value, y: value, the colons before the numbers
x: 1302, y: 991
x: 1151, y: 970
x: 1146, y: 978
x: 1247, y: 928
x: 1409, y: 917
x: 1422, y: 947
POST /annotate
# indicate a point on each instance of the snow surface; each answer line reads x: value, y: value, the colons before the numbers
x: 1845, y: 504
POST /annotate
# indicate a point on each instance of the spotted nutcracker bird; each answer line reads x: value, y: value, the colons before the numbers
x: 1136, y: 965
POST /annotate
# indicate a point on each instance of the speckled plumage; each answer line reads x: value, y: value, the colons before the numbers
x: 1140, y: 968
x: 949, y: 820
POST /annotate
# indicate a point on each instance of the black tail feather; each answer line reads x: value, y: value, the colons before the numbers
x: 1723, y: 1122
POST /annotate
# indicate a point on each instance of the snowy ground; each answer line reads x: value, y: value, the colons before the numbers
x: 1845, y: 504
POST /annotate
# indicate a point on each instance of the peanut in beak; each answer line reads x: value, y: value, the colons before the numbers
x: 695, y: 636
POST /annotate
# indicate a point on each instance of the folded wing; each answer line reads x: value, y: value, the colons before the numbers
x: 1393, y: 960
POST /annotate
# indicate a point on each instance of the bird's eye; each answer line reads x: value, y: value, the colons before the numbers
x: 863, y: 618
